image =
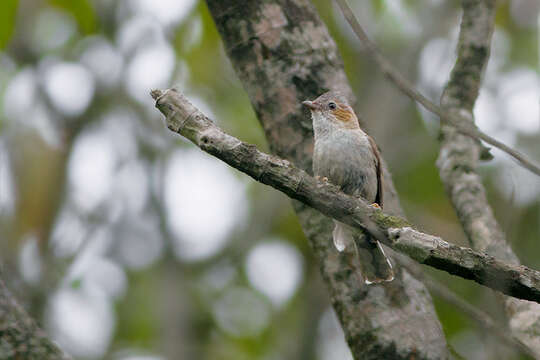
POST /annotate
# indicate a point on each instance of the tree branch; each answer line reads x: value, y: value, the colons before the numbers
x: 185, y: 119
x: 461, y: 122
x: 283, y: 54
x: 458, y: 160
x: 482, y: 318
x: 20, y: 337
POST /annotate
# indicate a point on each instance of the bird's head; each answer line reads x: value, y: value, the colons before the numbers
x: 333, y: 107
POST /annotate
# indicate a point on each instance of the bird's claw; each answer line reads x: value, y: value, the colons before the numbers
x: 375, y: 205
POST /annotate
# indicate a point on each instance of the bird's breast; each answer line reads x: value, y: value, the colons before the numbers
x: 346, y: 159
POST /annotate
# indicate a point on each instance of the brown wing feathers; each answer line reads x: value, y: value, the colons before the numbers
x: 378, y: 169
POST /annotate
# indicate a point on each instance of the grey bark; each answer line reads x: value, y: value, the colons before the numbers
x: 393, y: 231
x: 459, y: 155
x: 483, y: 319
x: 283, y: 54
x: 20, y: 337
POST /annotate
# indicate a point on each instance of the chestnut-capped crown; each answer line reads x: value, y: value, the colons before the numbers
x: 334, y: 106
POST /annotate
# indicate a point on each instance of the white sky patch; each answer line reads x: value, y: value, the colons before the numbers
x: 45, y: 123
x: 23, y: 106
x: 119, y: 127
x: 151, y: 68
x: 408, y: 21
x: 436, y: 61
x: 486, y: 113
x: 139, y: 243
x: 331, y: 340
x: 7, y: 187
x: 20, y: 94
x: 363, y: 10
x: 135, y: 354
x: 91, y: 169
x: 70, y: 87
x: 434, y: 66
x: 181, y: 76
x: 30, y: 260
x: 93, y: 271
x: 167, y: 12
x: 131, y: 188
x: 240, y: 312
x: 194, y: 34
x: 517, y: 183
x: 68, y: 233
x: 100, y: 275
x: 82, y: 323
x: 52, y: 30
x: 500, y: 49
x: 519, y: 91
x: 104, y: 61
x: 275, y: 269
x: 139, y: 31
x: 205, y: 202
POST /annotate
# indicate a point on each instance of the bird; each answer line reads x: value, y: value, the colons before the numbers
x: 347, y: 157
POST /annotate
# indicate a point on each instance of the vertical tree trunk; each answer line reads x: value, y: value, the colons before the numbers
x: 20, y: 337
x: 458, y: 160
x: 283, y: 54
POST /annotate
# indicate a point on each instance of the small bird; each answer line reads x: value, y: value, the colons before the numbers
x: 347, y: 157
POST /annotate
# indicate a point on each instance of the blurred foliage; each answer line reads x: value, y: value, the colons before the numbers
x: 8, y: 9
x: 133, y: 286
x: 82, y: 11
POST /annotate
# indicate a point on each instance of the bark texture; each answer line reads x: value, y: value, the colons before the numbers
x: 395, y: 232
x: 20, y: 337
x: 459, y: 157
x: 283, y: 54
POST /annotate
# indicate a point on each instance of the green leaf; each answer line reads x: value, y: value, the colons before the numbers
x: 82, y: 11
x: 8, y: 12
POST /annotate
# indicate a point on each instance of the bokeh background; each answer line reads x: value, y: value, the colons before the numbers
x: 126, y: 242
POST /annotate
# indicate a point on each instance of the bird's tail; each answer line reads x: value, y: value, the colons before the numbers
x: 374, y: 265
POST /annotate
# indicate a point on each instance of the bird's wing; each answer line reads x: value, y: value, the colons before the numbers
x: 378, y: 169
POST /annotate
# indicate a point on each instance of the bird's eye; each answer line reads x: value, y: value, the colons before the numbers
x: 332, y: 105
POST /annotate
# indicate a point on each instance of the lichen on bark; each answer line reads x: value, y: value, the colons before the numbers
x: 459, y: 157
x: 20, y: 337
x: 283, y: 54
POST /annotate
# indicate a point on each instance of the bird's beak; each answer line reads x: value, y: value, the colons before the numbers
x: 310, y: 104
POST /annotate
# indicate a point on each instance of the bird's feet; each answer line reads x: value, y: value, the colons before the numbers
x: 376, y: 206
x: 324, y: 179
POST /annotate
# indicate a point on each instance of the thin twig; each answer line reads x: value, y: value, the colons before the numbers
x: 462, y: 124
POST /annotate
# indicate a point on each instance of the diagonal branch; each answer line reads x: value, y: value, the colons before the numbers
x: 459, y: 121
x: 185, y: 119
x: 282, y: 53
x: 482, y: 318
x: 458, y: 160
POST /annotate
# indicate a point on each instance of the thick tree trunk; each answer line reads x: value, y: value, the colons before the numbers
x: 283, y: 54
x: 20, y: 337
